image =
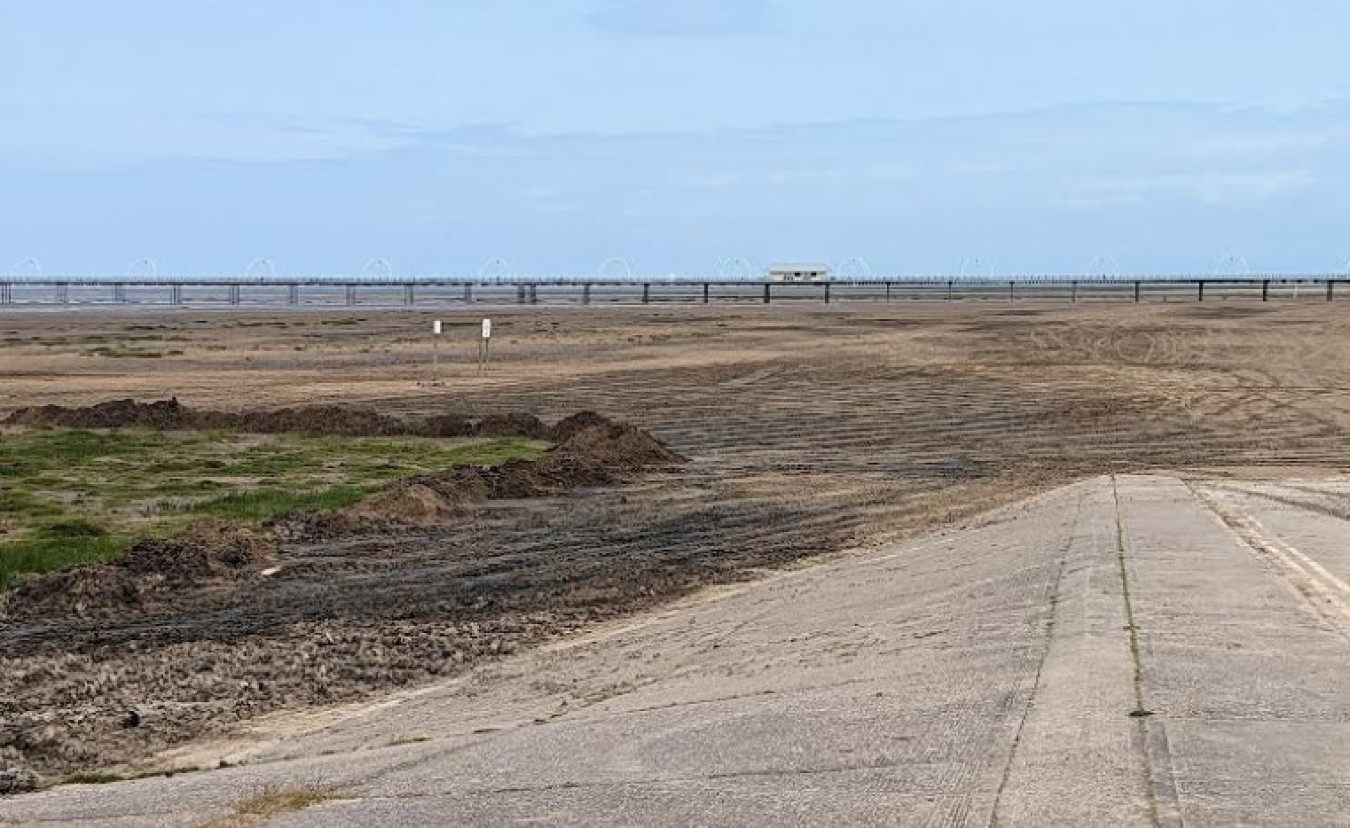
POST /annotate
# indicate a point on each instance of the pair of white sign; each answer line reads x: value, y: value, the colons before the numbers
x: 487, y: 328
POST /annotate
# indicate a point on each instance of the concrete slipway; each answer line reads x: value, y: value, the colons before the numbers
x: 1125, y: 651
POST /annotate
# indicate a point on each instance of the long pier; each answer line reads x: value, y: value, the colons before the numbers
x: 440, y: 291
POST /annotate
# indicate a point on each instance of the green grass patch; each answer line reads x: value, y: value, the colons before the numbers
x: 72, y: 496
x: 18, y: 504
x: 58, y: 544
x: 259, y: 505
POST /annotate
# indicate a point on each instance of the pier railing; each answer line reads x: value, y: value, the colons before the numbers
x: 412, y: 291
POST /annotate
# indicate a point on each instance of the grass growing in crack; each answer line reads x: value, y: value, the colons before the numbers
x: 70, y: 496
x: 271, y: 802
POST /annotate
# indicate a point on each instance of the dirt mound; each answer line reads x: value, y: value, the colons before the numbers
x: 84, y: 591
x: 415, y: 503
x: 569, y: 426
x: 511, y: 425
x: 446, y: 425
x: 600, y: 454
x: 143, y: 575
x: 164, y: 414
x: 205, y: 550
x: 320, y: 419
x: 595, y: 456
x: 617, y: 446
x: 171, y: 415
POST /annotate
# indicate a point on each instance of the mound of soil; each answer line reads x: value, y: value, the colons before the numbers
x: 569, y: 426
x: 164, y: 414
x: 344, y: 421
x: 317, y: 419
x: 447, y: 425
x: 598, y: 452
x: 142, y: 576
x: 87, y: 591
x: 617, y: 447
x: 414, y: 503
x: 511, y: 425
x: 205, y: 550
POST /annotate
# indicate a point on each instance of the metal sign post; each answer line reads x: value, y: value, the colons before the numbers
x: 435, y: 351
x: 484, y: 345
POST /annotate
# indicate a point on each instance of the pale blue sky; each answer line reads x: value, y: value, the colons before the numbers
x: 1036, y: 135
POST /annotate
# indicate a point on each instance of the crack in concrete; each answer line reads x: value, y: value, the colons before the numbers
x: 1040, y: 665
x: 1156, y: 756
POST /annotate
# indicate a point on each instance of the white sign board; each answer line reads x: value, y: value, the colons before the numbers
x: 436, y: 327
x: 487, y: 328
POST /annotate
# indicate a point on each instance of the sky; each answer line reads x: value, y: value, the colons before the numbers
x: 679, y: 136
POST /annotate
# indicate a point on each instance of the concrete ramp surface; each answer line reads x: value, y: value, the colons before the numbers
x: 1125, y: 651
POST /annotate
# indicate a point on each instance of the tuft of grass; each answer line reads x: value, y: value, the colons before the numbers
x: 260, y: 505
x: 19, y: 503
x: 270, y: 803
x: 46, y: 449
x: 56, y: 545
